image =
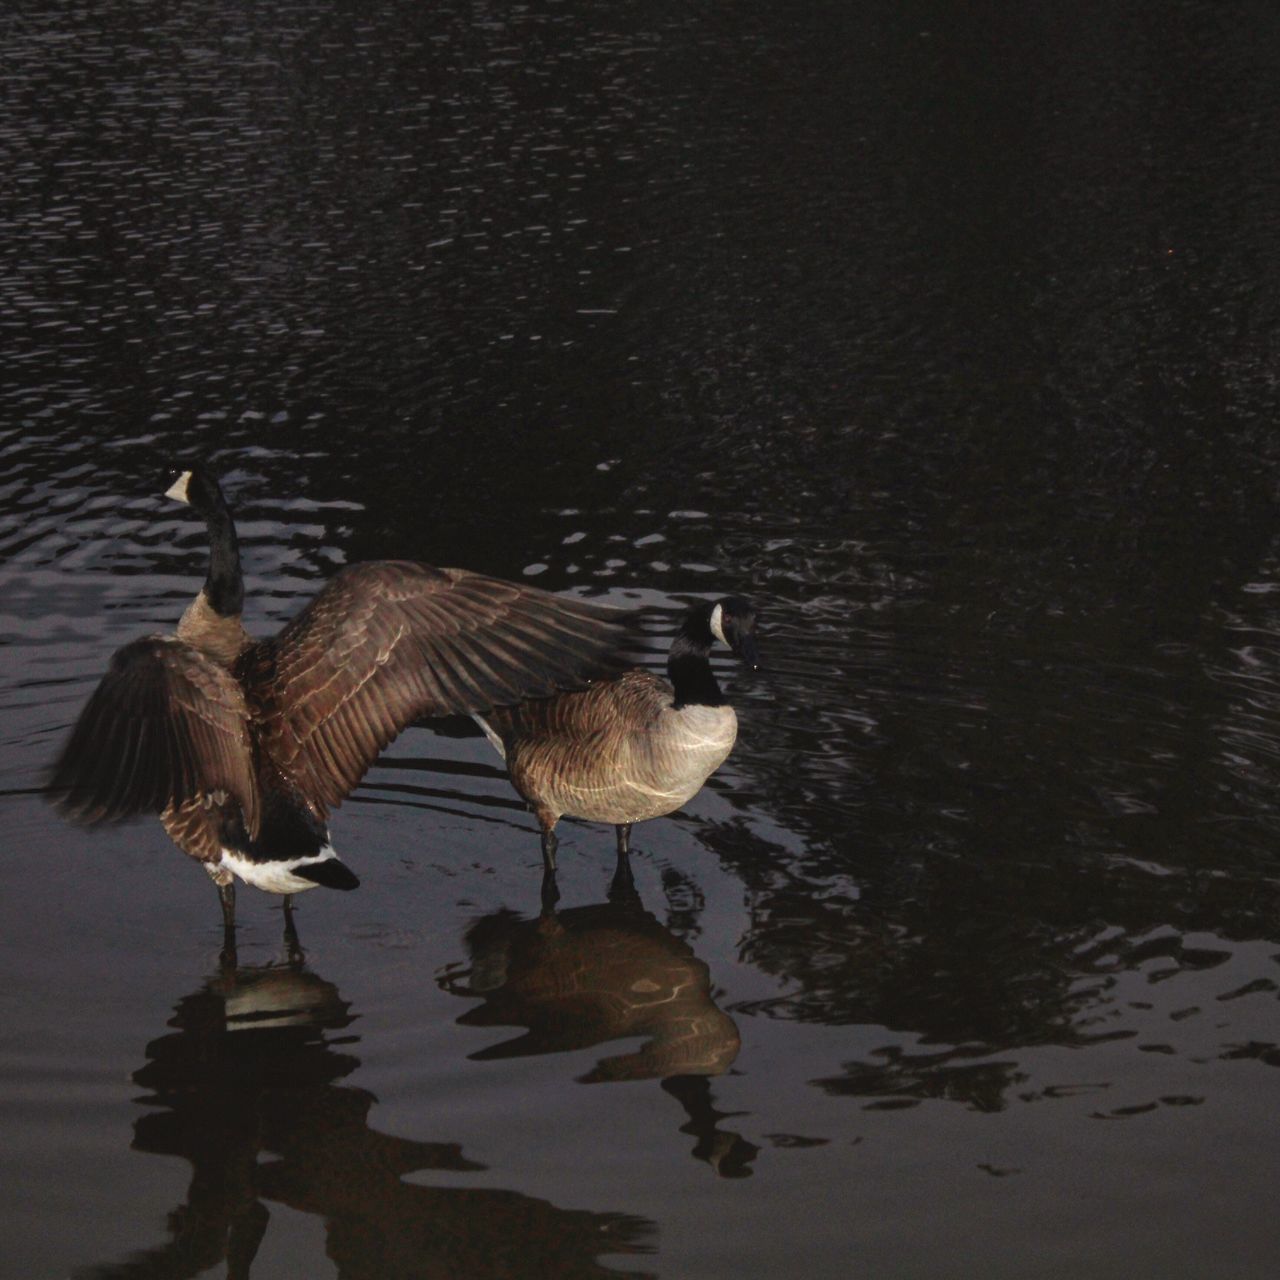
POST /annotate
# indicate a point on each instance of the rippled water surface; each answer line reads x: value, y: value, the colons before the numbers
x: 946, y: 334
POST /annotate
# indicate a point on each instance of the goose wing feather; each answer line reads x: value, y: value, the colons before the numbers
x: 389, y: 642
x: 628, y: 704
x: 166, y: 725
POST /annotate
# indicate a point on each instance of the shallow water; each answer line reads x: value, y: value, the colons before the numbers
x: 949, y: 340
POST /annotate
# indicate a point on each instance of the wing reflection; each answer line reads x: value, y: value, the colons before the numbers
x: 589, y: 975
x: 247, y: 1090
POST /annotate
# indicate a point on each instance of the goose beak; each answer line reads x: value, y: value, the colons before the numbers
x: 178, y: 489
x: 747, y: 652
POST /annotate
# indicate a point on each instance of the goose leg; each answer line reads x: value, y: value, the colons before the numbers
x: 549, y: 846
x: 550, y: 891
x: 228, y: 958
x: 227, y: 896
x: 623, y: 886
x: 291, y: 942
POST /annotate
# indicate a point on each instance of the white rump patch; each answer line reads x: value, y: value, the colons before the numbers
x: 275, y: 877
x: 717, y: 624
x: 178, y: 489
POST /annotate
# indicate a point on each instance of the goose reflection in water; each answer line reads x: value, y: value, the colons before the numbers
x: 588, y: 975
x: 246, y: 1087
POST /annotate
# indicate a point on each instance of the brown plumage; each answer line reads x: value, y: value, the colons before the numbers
x: 631, y: 748
x: 389, y: 642
x: 245, y: 746
x: 166, y: 723
x: 612, y: 753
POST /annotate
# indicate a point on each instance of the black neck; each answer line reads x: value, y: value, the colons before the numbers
x: 689, y: 668
x: 224, y: 586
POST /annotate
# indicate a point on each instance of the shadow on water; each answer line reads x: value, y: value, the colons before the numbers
x: 247, y: 1088
x: 591, y: 975
x: 966, y: 968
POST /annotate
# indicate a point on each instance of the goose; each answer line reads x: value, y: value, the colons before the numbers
x: 244, y: 746
x: 631, y: 748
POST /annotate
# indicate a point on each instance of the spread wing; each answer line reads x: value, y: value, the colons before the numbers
x: 389, y: 642
x: 165, y: 725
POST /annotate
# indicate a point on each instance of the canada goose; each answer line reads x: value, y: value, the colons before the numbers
x: 244, y: 746
x: 630, y: 748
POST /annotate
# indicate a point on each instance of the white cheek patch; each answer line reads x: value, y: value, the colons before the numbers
x: 178, y: 489
x: 717, y: 624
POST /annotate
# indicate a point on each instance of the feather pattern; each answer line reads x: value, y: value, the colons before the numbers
x: 243, y: 747
x: 631, y: 748
x: 196, y: 826
x: 389, y: 642
x: 618, y: 752
x: 165, y: 726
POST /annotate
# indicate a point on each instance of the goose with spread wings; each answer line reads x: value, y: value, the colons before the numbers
x: 244, y: 746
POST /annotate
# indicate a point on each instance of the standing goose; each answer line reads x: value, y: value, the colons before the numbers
x: 631, y: 748
x: 243, y: 746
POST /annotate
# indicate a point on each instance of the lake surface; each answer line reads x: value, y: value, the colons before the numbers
x: 948, y: 335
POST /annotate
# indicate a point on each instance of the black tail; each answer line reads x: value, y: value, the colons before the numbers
x: 330, y: 873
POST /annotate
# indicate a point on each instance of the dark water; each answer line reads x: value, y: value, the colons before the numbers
x: 946, y: 333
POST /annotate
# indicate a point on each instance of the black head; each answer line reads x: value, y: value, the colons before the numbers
x: 733, y: 622
x: 199, y: 488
